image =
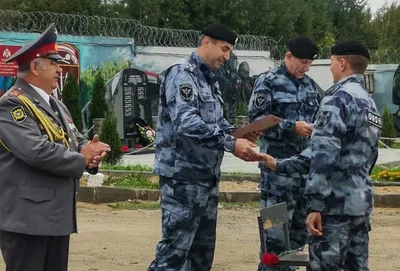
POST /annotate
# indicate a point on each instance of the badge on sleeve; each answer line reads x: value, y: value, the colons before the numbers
x: 323, y: 119
x: 260, y: 101
x: 374, y: 119
x: 186, y: 92
x: 18, y: 114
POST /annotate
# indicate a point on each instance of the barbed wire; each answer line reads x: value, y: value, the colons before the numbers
x: 82, y: 25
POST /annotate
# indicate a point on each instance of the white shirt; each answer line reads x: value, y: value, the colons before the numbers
x: 42, y: 93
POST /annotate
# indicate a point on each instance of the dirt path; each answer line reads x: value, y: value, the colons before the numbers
x: 112, y: 240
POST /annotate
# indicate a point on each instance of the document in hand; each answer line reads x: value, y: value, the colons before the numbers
x: 257, y: 126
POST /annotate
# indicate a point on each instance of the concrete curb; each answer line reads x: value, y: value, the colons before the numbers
x: 390, y: 164
x: 99, y: 195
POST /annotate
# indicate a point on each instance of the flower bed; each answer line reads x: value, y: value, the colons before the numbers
x: 387, y: 175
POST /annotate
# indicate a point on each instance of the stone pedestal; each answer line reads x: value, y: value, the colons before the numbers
x: 241, y: 121
x: 95, y: 180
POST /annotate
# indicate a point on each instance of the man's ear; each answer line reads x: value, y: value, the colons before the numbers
x: 34, y: 68
x: 343, y: 64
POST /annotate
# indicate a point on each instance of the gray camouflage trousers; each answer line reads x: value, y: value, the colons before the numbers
x: 343, y: 246
x: 276, y: 189
x: 189, y: 220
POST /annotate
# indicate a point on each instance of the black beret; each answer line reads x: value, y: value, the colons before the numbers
x: 220, y: 32
x: 303, y: 48
x: 350, y: 47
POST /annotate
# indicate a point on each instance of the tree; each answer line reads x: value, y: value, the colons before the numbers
x: 109, y: 135
x: 388, y: 129
x: 98, y: 104
x: 71, y: 99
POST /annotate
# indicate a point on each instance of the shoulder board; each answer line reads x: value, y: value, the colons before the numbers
x: 15, y: 92
x: 270, y: 74
x: 190, y: 68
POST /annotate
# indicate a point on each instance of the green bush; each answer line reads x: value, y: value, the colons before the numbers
x: 241, y: 109
x: 388, y: 129
x: 98, y: 104
x: 109, y: 135
x: 71, y: 99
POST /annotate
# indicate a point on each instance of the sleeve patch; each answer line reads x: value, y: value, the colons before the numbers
x: 260, y: 101
x: 18, y: 114
x: 186, y: 92
x: 374, y: 119
x: 323, y: 119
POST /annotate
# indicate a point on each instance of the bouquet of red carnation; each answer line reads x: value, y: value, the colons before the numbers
x: 124, y: 148
x: 269, y: 259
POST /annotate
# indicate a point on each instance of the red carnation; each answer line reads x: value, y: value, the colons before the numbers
x: 138, y: 146
x: 124, y: 148
x: 270, y: 259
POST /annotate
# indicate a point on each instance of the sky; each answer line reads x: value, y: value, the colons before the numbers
x: 376, y: 4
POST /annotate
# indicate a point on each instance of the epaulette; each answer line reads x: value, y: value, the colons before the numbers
x: 190, y: 67
x: 15, y: 92
x: 271, y: 74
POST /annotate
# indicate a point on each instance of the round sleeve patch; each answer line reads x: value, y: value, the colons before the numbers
x: 18, y: 114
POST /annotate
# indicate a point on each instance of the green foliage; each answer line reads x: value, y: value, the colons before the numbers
x: 107, y: 70
x: 85, y: 7
x: 241, y: 109
x: 388, y: 129
x: 395, y: 145
x: 71, y: 98
x: 98, y: 106
x: 134, y: 167
x: 135, y: 181
x: 325, y: 21
x: 109, y: 135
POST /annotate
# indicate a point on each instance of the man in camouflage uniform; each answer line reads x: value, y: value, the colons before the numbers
x: 288, y: 93
x: 191, y: 138
x: 344, y: 148
x: 297, y: 164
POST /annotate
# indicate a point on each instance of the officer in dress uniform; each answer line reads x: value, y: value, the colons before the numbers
x: 191, y: 138
x: 344, y: 149
x: 42, y: 157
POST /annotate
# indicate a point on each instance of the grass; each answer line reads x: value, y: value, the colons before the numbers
x: 134, y: 167
x: 135, y: 181
x: 236, y: 173
x: 395, y: 145
x: 155, y: 205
